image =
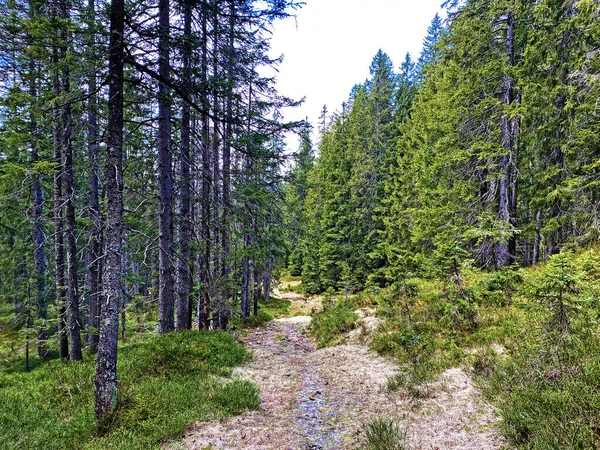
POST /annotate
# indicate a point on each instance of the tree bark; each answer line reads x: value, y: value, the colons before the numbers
x: 227, y: 141
x: 166, y: 289
x: 92, y: 281
x: 59, y: 257
x: 106, y: 369
x: 75, y: 325
x: 267, y: 282
x: 247, y: 219
x: 206, y: 172
x: 245, y: 298
x: 256, y: 290
x: 39, y: 237
x: 185, y: 219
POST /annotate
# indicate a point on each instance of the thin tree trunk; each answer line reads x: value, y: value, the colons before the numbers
x: 256, y: 291
x: 538, y: 237
x: 514, y: 180
x: 75, y: 325
x: 267, y: 282
x: 166, y: 289
x: 227, y: 141
x: 247, y: 219
x: 220, y: 294
x: 503, y: 255
x: 245, y: 300
x: 185, y: 220
x: 92, y: 281
x: 216, y: 143
x: 206, y: 173
x: 59, y: 257
x: 126, y: 299
x: 39, y: 237
x: 106, y: 369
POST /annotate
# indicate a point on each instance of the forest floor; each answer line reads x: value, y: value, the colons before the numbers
x: 322, y: 398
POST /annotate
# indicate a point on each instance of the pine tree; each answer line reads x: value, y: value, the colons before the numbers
x: 428, y: 54
x: 106, y: 367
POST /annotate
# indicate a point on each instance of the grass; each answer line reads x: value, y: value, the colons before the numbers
x: 383, y: 434
x: 329, y: 325
x: 267, y: 311
x: 166, y: 384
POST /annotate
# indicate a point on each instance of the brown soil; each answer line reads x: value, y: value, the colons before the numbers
x: 322, y: 398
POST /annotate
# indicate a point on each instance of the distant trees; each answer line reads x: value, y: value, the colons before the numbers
x: 481, y: 151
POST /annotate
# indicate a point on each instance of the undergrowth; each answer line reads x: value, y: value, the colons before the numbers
x: 267, y: 311
x: 383, y: 434
x: 166, y: 384
x: 529, y: 336
x: 337, y: 318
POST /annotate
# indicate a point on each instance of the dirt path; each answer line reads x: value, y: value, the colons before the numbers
x: 321, y: 398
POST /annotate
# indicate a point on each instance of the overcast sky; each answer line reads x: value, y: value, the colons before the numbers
x: 329, y: 45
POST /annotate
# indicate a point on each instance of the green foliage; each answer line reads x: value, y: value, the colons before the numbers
x: 547, y: 389
x: 267, y: 311
x: 166, y: 384
x: 276, y: 307
x: 384, y: 434
x: 556, y: 288
x: 237, y: 396
x: 502, y: 286
x: 329, y: 325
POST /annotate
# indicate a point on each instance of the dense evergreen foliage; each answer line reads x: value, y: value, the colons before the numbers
x: 483, y: 150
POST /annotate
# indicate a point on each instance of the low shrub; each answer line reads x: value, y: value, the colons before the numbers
x: 329, y: 325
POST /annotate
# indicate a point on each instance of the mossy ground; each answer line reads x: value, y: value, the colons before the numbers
x: 166, y: 384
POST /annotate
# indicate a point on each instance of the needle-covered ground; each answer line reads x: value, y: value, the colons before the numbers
x: 324, y: 398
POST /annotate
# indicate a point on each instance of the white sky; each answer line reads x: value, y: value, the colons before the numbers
x: 329, y: 46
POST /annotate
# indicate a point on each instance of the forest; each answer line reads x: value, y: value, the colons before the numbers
x: 157, y: 231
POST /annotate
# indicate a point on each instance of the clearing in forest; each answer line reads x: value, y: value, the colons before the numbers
x: 322, y: 399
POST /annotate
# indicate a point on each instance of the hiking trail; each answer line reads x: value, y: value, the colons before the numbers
x: 320, y: 399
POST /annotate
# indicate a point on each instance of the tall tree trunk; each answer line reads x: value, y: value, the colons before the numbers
x: 247, y: 218
x: 206, y: 173
x: 106, y: 369
x: 219, y: 293
x: 59, y: 255
x: 92, y: 281
x: 185, y: 219
x: 267, y: 281
x: 126, y: 299
x: 75, y: 325
x: 39, y: 237
x: 514, y: 180
x: 503, y: 253
x: 538, y: 237
x: 166, y: 289
x: 256, y: 290
x: 227, y: 141
x: 202, y: 306
x: 245, y: 299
